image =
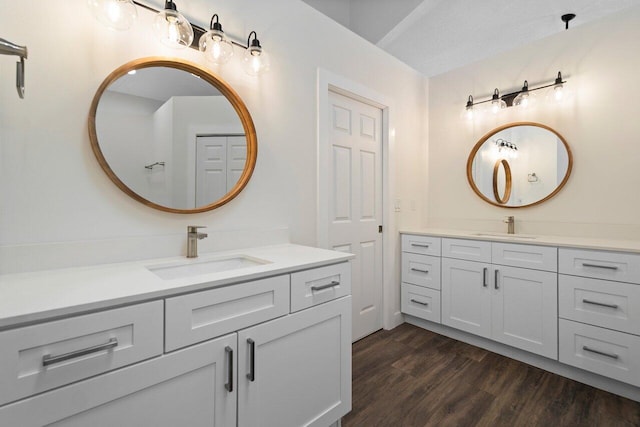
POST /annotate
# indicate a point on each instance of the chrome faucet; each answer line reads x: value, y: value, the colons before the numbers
x: 511, y: 224
x: 192, y: 240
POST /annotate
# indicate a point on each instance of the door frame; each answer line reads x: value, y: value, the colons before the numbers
x: 328, y: 81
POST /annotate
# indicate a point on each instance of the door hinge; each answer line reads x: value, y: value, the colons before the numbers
x: 379, y: 229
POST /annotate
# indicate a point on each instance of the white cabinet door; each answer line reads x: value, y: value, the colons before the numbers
x: 189, y: 387
x: 466, y: 297
x: 296, y: 370
x: 525, y: 309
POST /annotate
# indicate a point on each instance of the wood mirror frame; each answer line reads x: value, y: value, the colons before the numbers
x: 505, y: 198
x: 507, y: 181
x: 224, y: 88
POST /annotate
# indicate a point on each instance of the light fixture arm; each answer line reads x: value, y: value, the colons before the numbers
x: 8, y: 48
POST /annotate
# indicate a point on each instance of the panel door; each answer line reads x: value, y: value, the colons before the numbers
x: 236, y: 159
x: 296, y: 370
x: 466, y: 297
x: 211, y: 169
x: 195, y: 387
x: 355, y: 203
x: 525, y: 309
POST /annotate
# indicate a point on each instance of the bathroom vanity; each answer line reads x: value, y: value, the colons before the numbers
x: 256, y: 337
x: 557, y: 303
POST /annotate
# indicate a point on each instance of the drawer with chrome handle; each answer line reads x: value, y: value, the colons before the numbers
x: 47, y: 355
x: 319, y: 285
x: 602, y: 351
x: 617, y: 266
x: 420, y: 302
x: 418, y: 244
x: 421, y: 270
x: 600, y: 303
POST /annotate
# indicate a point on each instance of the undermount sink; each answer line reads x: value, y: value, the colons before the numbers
x: 177, y: 270
x: 506, y: 236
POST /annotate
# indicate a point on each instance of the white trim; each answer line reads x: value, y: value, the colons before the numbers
x: 390, y: 275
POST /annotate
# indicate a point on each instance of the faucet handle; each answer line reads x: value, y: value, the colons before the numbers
x: 194, y: 228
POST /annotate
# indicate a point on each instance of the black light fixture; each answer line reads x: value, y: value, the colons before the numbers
x: 566, y: 18
x: 523, y: 98
x: 214, y: 44
x: 256, y: 59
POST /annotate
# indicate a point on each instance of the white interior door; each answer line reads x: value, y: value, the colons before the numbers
x: 355, y: 202
x: 220, y: 161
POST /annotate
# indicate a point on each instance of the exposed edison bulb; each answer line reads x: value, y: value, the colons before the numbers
x: 171, y: 28
x: 497, y: 103
x: 214, y: 44
x: 525, y: 98
x: 256, y: 61
x: 469, y: 112
x: 115, y: 14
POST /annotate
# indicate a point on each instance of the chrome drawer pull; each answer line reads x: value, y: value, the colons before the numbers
x: 419, y: 245
x: 251, y: 375
x: 602, y: 353
x: 48, y: 359
x: 229, y: 384
x: 484, y: 277
x: 419, y: 270
x: 606, y: 267
x: 603, y: 304
x: 420, y: 302
x: 327, y: 286
x: 495, y: 284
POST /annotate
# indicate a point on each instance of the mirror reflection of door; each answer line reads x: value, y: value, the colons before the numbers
x: 220, y: 160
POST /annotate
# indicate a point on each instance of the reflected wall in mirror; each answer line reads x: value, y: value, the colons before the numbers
x: 519, y: 164
x: 172, y: 135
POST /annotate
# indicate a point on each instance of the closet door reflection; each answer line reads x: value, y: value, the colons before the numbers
x: 219, y: 162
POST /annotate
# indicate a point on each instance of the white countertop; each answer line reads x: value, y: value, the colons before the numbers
x: 37, y: 296
x: 560, y: 241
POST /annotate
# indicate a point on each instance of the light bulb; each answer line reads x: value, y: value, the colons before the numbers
x: 525, y: 98
x: 497, y: 103
x: 171, y: 28
x: 115, y: 14
x: 256, y: 60
x: 469, y: 112
x: 214, y: 44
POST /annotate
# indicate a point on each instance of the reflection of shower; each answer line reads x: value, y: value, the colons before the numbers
x: 8, y: 48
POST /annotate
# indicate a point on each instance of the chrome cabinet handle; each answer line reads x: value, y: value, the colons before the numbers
x: 252, y: 360
x: 420, y: 302
x: 495, y: 285
x: 602, y: 304
x: 419, y: 245
x: 419, y: 270
x: 229, y: 384
x: 606, y: 267
x: 327, y: 286
x: 484, y: 277
x: 602, y: 353
x: 48, y: 359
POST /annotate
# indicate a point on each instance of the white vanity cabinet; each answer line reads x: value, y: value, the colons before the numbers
x: 231, y: 355
x: 487, y: 292
x: 600, y: 312
x: 420, y: 289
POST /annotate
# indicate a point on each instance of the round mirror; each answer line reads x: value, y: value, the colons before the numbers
x: 172, y: 135
x: 519, y: 164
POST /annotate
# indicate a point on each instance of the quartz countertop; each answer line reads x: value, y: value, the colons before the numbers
x: 44, y: 295
x: 529, y: 239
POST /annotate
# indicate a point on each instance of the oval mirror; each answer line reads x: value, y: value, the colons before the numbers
x: 172, y: 135
x: 519, y: 164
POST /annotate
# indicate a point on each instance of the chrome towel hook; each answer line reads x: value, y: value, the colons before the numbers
x: 8, y: 48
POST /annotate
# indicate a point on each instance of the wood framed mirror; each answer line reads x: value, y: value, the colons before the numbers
x: 172, y: 135
x: 519, y: 164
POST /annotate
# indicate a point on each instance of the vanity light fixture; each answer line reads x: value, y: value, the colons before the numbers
x: 214, y: 44
x: 115, y: 14
x: 174, y: 30
x: 171, y: 28
x: 523, y: 98
x: 506, y: 149
x: 256, y: 60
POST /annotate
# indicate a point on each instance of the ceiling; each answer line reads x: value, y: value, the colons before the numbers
x: 435, y: 36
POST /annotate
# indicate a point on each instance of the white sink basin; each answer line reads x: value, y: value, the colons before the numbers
x: 196, y: 267
x: 506, y: 236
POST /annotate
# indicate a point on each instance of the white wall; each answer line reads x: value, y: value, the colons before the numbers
x: 601, y: 126
x: 58, y: 208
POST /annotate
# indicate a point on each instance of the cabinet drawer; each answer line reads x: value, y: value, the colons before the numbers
x: 203, y: 315
x: 425, y: 245
x: 421, y: 270
x: 603, y: 303
x: 621, y: 267
x: 612, y: 354
x: 318, y: 285
x: 527, y: 256
x: 421, y: 302
x: 471, y: 250
x: 48, y: 355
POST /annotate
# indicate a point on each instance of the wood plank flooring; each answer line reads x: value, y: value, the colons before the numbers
x: 412, y: 377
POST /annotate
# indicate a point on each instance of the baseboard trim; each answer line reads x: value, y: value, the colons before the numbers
x: 576, y: 374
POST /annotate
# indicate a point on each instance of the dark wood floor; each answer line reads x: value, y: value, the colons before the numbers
x: 413, y: 377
